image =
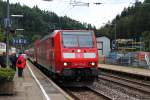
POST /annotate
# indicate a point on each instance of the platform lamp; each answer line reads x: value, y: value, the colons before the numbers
x: 17, y: 16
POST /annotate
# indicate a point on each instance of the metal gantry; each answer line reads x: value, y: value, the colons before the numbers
x: 79, y: 3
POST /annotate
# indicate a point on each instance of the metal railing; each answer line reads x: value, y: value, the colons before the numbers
x: 130, y: 59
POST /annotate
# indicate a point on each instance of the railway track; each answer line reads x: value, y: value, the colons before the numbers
x: 112, y: 87
x: 137, y: 84
x: 82, y: 93
x: 131, y: 89
x: 85, y: 93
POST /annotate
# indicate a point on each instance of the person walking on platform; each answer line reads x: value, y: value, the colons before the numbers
x: 21, y: 63
x: 13, y: 59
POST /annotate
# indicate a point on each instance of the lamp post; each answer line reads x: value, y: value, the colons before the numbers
x: 8, y: 25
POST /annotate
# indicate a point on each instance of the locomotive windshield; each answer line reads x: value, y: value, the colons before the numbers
x: 77, y: 39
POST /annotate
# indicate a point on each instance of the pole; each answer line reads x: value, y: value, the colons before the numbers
x: 115, y: 31
x: 7, y: 34
x: 149, y: 46
x: 140, y: 44
x: 115, y: 37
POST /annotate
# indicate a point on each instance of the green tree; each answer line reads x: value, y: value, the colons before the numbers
x: 146, y: 36
x: 2, y: 37
x: 147, y: 1
x: 38, y: 23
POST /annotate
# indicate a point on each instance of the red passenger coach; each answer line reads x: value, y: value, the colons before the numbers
x: 71, y: 53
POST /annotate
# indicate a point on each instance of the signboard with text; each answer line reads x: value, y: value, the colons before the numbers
x: 19, y: 41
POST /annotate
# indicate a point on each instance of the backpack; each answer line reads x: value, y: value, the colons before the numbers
x: 19, y: 61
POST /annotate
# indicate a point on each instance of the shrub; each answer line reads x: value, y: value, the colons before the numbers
x: 6, y: 74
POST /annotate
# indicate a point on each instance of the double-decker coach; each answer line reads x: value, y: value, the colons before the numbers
x: 68, y: 53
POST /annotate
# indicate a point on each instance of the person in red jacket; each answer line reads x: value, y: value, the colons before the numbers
x: 21, y: 63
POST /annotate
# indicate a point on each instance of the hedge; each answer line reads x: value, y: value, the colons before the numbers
x: 6, y: 74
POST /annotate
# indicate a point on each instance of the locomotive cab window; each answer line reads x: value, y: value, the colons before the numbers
x: 85, y: 41
x: 70, y: 41
x: 77, y: 39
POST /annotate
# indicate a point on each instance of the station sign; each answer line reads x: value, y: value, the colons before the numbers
x: 7, y: 22
x: 19, y: 41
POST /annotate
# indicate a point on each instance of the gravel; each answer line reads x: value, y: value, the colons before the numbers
x: 118, y: 92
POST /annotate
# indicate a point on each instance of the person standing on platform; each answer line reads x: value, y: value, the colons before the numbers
x: 3, y: 60
x: 21, y: 63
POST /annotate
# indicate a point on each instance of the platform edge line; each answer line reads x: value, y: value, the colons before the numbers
x: 41, y: 87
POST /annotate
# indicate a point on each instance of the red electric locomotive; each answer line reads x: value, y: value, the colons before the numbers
x: 68, y: 53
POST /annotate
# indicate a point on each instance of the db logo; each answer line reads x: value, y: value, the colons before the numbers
x: 79, y: 55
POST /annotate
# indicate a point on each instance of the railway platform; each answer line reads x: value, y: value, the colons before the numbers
x: 128, y: 70
x: 34, y: 85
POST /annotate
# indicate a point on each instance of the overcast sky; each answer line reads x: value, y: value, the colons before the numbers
x: 96, y: 15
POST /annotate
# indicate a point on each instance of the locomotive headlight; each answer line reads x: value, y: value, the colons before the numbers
x: 93, y: 64
x: 78, y: 50
x: 65, y: 64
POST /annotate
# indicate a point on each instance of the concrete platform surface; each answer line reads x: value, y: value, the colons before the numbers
x: 137, y: 71
x: 25, y: 88
x: 28, y: 88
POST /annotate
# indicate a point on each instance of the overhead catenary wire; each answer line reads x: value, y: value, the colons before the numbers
x: 74, y: 3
